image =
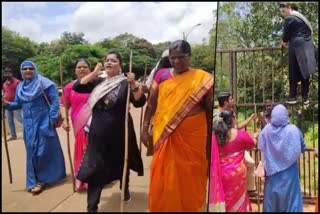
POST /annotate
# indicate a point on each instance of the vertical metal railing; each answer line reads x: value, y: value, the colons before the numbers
x: 272, y: 74
x: 254, y: 66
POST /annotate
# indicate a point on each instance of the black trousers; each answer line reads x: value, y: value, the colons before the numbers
x: 295, y: 77
x: 293, y: 84
x: 94, y: 193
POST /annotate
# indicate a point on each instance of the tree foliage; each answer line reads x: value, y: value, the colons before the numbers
x: 262, y: 75
x: 143, y: 52
x: 49, y: 65
x: 72, y: 46
x: 241, y: 24
x: 257, y: 24
x: 202, y: 57
x: 15, y: 49
x: 252, y: 25
x: 66, y: 40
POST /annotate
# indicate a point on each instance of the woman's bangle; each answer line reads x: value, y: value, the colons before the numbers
x: 136, y: 88
x: 146, y: 124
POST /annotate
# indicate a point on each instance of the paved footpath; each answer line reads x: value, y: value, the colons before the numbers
x: 60, y: 197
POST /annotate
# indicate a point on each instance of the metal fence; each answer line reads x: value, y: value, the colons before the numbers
x: 254, y: 75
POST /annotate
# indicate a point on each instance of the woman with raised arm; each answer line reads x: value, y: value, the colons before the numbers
x: 103, y: 160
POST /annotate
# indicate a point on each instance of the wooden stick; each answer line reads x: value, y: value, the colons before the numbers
x: 6, y: 144
x: 68, y: 134
x: 259, y: 179
x: 141, y: 115
x: 145, y: 74
x: 124, y: 173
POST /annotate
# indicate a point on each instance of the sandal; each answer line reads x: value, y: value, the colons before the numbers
x: 37, y: 188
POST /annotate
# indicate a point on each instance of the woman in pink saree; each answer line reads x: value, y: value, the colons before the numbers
x: 216, y: 195
x: 228, y: 186
x: 80, y: 113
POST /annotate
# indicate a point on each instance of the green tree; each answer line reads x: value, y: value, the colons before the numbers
x: 160, y: 47
x: 256, y: 24
x: 92, y: 53
x: 15, y: 49
x: 143, y: 52
x: 44, y: 48
x: 66, y: 40
x: 49, y: 66
x: 107, y: 43
x: 202, y: 57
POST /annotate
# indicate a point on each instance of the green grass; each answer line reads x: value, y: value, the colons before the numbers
x: 311, y: 137
x: 311, y: 140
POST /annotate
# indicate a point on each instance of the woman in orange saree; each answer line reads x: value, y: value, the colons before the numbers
x: 179, y: 168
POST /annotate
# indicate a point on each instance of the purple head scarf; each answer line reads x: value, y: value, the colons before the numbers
x: 280, y: 142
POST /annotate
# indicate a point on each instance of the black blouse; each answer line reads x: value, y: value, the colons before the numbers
x: 295, y: 27
x: 88, y: 88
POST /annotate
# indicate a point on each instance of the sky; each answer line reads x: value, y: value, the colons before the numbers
x: 154, y: 21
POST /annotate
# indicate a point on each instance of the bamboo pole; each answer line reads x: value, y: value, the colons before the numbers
x: 124, y: 173
x: 259, y: 178
x: 6, y: 144
x: 141, y: 115
x: 68, y: 134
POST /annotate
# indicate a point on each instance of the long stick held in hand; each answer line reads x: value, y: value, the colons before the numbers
x: 124, y: 173
x: 6, y: 144
x: 141, y: 115
x: 257, y: 155
x: 68, y: 136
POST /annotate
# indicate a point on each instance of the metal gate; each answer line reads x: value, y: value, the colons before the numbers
x: 254, y: 75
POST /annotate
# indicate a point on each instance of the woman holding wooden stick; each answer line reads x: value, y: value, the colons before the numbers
x: 45, y: 161
x: 80, y: 114
x: 179, y: 167
x: 104, y: 158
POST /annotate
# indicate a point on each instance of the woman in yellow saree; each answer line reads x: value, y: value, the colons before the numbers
x: 179, y: 167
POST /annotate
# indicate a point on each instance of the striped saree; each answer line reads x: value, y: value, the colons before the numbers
x: 179, y: 167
